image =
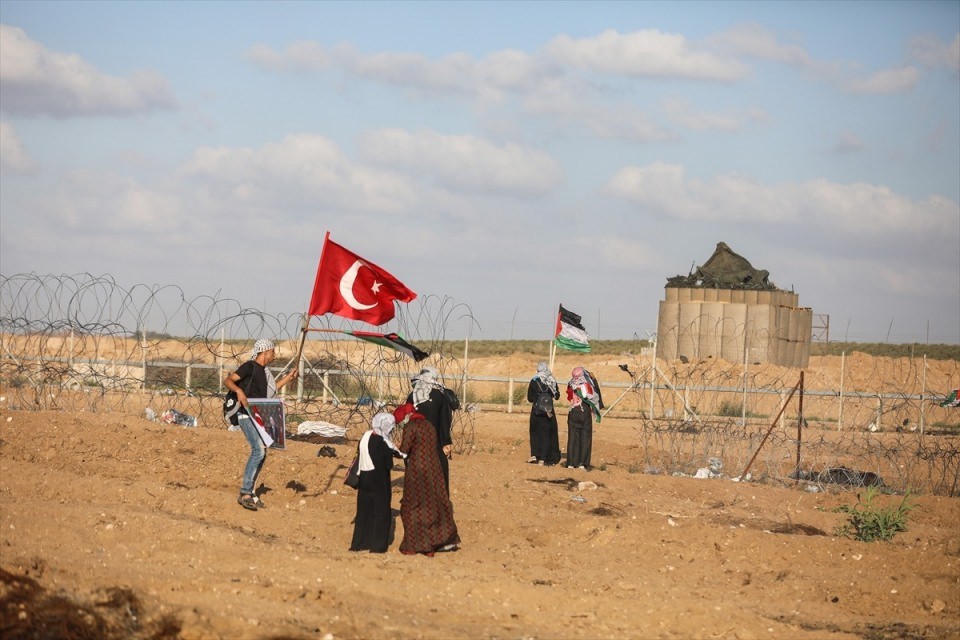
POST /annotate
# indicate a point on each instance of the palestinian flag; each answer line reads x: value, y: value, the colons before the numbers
x: 590, y: 402
x: 952, y: 400
x: 570, y: 333
x: 391, y: 341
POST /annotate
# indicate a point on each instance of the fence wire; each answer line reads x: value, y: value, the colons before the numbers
x: 85, y: 343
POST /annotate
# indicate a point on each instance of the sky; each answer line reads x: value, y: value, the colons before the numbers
x: 505, y: 156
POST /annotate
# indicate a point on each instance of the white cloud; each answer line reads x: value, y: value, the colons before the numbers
x: 563, y: 103
x: 297, y: 56
x: 34, y: 80
x: 102, y: 204
x: 648, y: 53
x: 885, y: 81
x: 932, y: 52
x: 664, y: 189
x: 13, y: 155
x: 752, y: 39
x: 680, y: 112
x: 302, y: 170
x: 621, y: 253
x: 464, y: 162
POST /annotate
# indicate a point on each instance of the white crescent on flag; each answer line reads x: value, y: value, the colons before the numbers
x: 346, y: 287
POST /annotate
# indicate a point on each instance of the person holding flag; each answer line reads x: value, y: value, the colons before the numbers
x: 584, y: 399
x: 253, y: 379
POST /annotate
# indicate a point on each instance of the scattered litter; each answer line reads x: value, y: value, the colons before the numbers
x: 172, y: 416
x: 586, y: 485
x: 578, y: 498
x: 326, y: 451
x: 713, y: 469
x: 321, y: 428
x: 150, y: 414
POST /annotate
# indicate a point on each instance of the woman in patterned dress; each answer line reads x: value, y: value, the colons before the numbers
x: 425, y: 509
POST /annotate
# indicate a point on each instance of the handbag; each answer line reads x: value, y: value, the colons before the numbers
x: 353, y: 475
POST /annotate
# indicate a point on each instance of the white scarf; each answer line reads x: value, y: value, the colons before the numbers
x: 383, y: 424
x: 366, y: 462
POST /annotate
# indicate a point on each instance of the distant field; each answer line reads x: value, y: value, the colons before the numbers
x: 481, y: 348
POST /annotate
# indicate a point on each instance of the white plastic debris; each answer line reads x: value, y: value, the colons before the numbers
x: 322, y: 428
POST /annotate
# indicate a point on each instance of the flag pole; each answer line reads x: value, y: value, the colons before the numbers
x: 553, y: 342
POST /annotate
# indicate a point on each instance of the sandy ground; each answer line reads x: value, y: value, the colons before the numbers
x: 92, y: 506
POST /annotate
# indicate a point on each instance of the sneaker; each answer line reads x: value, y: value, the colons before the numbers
x: 532, y: 460
x: 449, y: 547
x: 582, y: 467
x: 247, y: 502
x: 540, y: 463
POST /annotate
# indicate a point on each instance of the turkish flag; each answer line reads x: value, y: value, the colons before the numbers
x: 351, y: 287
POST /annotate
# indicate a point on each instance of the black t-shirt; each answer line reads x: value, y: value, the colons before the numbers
x: 258, y: 385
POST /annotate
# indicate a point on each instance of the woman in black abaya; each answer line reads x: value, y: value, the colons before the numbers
x: 373, y: 523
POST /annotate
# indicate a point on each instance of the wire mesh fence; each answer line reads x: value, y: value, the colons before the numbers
x: 83, y: 343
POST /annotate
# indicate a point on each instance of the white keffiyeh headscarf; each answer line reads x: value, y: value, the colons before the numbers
x: 546, y: 377
x: 261, y: 346
x: 423, y: 384
x: 382, y: 425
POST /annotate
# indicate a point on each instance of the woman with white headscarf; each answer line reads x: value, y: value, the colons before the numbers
x: 544, y: 438
x: 253, y: 379
x: 374, y: 520
x: 433, y: 401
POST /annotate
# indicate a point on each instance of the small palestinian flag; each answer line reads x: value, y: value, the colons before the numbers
x: 952, y: 400
x: 570, y: 333
x: 391, y: 341
x: 590, y: 402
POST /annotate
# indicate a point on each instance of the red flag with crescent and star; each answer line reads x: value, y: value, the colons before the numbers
x: 352, y: 287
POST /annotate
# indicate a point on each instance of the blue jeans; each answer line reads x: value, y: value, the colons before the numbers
x: 258, y: 453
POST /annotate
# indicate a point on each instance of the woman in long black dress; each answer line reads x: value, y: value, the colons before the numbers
x: 373, y: 523
x: 544, y: 438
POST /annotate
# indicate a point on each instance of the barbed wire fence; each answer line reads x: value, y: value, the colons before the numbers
x: 85, y: 343
x: 708, y: 415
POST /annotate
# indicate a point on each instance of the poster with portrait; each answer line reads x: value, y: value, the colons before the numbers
x: 267, y: 413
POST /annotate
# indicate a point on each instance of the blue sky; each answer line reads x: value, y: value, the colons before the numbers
x: 508, y: 156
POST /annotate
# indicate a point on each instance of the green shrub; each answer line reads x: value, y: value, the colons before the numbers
x: 730, y: 409
x: 869, y: 522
